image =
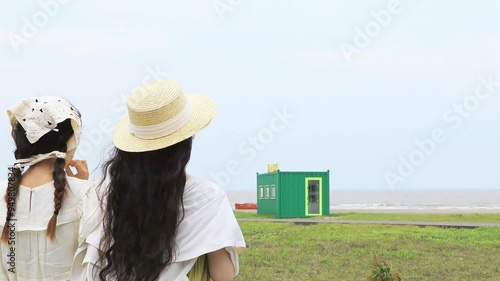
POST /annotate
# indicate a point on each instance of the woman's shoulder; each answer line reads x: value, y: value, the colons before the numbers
x: 81, y: 187
x: 80, y: 183
x: 196, y: 187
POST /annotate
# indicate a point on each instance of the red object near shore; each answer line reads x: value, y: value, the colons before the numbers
x: 245, y: 206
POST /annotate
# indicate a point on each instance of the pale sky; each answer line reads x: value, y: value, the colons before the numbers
x: 355, y: 117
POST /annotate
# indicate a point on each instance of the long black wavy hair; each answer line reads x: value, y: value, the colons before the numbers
x: 143, y: 208
x: 52, y: 141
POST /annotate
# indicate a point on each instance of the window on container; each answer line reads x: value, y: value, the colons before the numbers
x: 273, y: 192
x: 267, y: 191
x: 261, y: 192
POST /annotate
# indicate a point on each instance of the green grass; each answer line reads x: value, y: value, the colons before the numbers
x: 330, y: 252
x: 248, y: 215
x: 420, y: 217
x: 494, y: 218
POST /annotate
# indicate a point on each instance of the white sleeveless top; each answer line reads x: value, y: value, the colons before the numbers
x: 209, y: 225
x: 31, y: 255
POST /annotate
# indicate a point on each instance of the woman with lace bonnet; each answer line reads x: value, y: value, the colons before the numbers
x: 48, y: 214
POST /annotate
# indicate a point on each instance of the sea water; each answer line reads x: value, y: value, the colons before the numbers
x: 438, y: 200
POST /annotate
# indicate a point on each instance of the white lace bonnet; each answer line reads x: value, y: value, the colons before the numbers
x: 40, y: 115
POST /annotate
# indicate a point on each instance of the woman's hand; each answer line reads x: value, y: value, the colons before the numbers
x: 82, y: 169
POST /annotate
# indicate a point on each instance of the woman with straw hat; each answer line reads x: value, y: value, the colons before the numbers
x: 48, y: 215
x: 161, y: 223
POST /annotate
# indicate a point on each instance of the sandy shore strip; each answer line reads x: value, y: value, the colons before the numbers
x: 451, y: 211
x: 418, y: 211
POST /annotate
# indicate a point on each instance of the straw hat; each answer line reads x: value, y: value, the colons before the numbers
x: 161, y: 115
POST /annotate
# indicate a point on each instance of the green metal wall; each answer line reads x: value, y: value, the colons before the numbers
x: 290, y: 201
x: 267, y: 206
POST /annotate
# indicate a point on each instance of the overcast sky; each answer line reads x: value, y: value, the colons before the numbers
x: 384, y: 94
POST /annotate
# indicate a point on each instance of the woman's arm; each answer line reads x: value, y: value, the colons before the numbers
x: 220, y: 266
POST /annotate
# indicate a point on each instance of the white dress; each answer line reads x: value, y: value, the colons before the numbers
x: 209, y: 225
x: 34, y: 256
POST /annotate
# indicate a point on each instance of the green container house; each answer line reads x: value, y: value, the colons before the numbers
x: 293, y: 194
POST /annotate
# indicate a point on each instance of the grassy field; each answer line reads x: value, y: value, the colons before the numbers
x: 420, y: 217
x: 282, y: 251
x: 401, y: 217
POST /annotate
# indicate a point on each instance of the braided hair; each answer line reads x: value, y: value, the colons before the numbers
x: 55, y: 140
